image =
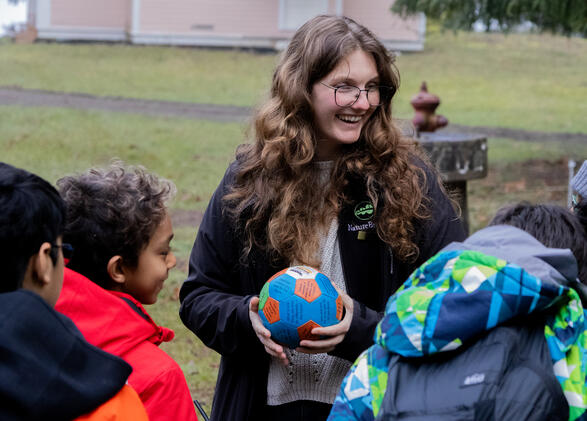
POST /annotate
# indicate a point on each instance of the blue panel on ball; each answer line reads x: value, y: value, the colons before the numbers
x: 327, y: 310
x: 285, y: 334
x: 326, y: 286
x: 291, y: 310
x: 282, y: 287
x: 312, y: 312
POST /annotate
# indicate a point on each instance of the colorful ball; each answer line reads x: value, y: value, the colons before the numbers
x: 296, y: 300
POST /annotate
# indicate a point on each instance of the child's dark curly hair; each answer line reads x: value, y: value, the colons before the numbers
x: 111, y: 211
x: 552, y: 225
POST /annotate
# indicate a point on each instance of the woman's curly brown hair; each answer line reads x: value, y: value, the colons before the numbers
x: 274, y: 198
x: 112, y: 211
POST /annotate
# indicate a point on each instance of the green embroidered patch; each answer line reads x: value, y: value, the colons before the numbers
x: 364, y: 211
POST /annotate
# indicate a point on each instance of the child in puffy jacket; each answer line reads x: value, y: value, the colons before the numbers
x: 490, y: 328
x: 119, y: 225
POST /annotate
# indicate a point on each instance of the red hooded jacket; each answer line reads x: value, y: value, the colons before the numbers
x: 119, y: 324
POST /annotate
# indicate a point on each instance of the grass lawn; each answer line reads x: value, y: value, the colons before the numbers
x: 151, y: 72
x: 53, y: 141
x: 522, y: 81
x: 528, y: 81
x: 532, y: 171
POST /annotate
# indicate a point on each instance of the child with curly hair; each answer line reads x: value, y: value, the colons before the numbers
x: 119, y: 225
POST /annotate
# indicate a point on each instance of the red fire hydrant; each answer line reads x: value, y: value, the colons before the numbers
x: 425, y: 104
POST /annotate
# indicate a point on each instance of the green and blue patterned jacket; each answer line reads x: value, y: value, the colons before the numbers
x: 469, y: 288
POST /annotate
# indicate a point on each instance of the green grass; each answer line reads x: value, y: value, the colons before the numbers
x: 533, y: 171
x: 53, y: 142
x: 528, y: 81
x: 165, y: 73
x: 504, y: 152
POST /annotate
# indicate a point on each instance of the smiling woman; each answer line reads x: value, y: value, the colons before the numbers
x: 341, y: 115
x: 328, y: 181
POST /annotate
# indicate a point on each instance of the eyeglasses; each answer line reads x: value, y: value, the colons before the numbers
x: 347, y: 95
x: 66, y: 249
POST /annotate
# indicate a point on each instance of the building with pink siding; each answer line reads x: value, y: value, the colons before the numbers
x: 218, y: 23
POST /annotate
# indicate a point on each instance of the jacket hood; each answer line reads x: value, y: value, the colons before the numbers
x: 555, y: 266
x: 47, y: 370
x: 498, y: 273
x: 110, y: 320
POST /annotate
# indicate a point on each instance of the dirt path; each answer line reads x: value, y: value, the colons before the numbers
x: 222, y: 113
x: 39, y: 98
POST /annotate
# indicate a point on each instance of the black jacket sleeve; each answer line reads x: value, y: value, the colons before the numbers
x: 360, y: 334
x: 215, y: 296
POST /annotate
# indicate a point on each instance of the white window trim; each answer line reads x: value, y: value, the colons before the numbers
x: 135, y: 16
x: 43, y: 14
x: 282, y: 18
x: 339, y: 8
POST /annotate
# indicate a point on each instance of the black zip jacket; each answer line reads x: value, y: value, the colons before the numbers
x: 215, y: 296
x: 47, y: 369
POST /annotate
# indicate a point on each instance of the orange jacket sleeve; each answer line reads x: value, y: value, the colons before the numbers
x: 125, y: 405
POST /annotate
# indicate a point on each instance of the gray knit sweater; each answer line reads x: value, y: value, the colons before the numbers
x: 314, y: 377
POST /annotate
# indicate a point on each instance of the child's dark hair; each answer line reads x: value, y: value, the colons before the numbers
x: 580, y: 210
x: 31, y: 213
x: 111, y: 211
x: 579, y: 184
x: 552, y: 225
